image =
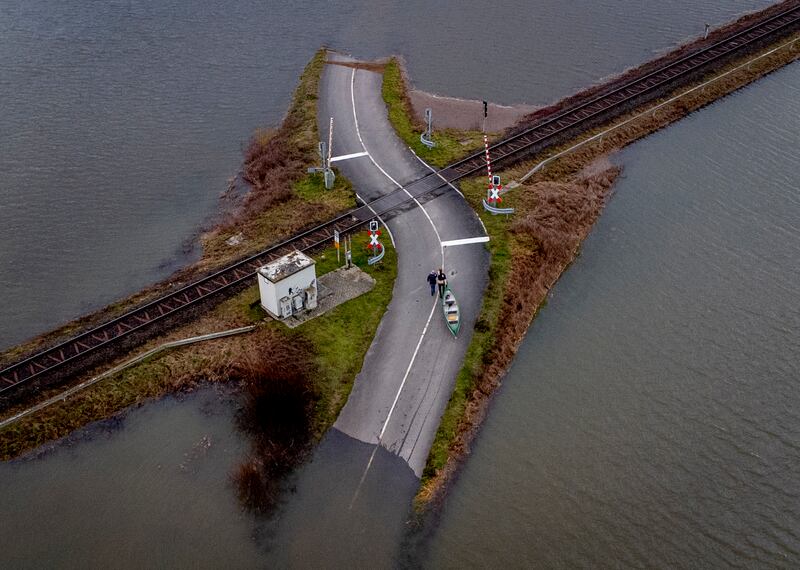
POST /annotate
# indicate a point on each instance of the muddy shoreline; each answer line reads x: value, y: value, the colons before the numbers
x: 466, y: 114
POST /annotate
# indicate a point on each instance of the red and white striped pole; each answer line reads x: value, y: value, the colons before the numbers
x: 488, y: 161
x: 488, y: 169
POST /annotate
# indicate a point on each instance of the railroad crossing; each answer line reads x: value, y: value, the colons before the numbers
x: 606, y: 102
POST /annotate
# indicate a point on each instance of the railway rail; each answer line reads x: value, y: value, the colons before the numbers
x: 580, y: 115
x: 634, y: 90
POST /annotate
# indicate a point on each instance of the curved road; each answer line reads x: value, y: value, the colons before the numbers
x: 410, y: 369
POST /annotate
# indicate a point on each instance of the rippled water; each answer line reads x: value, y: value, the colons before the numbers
x: 121, y: 121
x: 652, y: 416
x: 151, y: 492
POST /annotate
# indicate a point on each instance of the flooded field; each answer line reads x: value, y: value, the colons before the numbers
x: 651, y: 416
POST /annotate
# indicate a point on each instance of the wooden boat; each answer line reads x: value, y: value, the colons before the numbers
x: 452, y: 314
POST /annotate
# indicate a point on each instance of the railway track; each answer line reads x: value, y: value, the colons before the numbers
x: 582, y: 114
x: 637, y: 89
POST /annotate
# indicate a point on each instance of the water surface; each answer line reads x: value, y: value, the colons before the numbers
x: 121, y: 122
x: 150, y: 490
x: 652, y: 416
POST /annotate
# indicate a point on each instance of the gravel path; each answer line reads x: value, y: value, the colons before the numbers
x: 335, y: 288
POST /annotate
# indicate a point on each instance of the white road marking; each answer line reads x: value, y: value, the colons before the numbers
x: 378, y: 166
x: 347, y: 156
x: 396, y: 398
x: 432, y: 169
x: 433, y: 308
x: 465, y: 241
x: 408, y: 371
x: 436, y: 172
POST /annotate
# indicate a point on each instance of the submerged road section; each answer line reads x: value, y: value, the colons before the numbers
x: 410, y: 369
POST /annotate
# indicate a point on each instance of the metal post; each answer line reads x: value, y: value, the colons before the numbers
x: 330, y: 144
x: 325, y: 158
x: 327, y: 173
x: 427, y: 137
x: 488, y: 161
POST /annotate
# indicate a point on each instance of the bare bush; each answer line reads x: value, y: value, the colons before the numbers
x: 278, y: 410
x: 556, y: 217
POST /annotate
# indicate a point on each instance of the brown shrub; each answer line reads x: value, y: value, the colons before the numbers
x: 278, y: 398
x: 554, y: 218
x: 271, y: 166
x: 251, y: 487
x: 277, y: 413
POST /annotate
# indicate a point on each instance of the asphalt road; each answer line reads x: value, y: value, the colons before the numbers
x: 410, y: 369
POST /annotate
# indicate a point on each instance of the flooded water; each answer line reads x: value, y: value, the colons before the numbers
x: 349, y: 509
x: 652, y: 416
x: 122, y: 121
x: 153, y: 491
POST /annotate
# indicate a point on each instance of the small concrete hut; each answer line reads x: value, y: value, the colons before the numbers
x: 288, y: 285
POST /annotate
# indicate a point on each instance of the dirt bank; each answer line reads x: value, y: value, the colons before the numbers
x: 465, y: 114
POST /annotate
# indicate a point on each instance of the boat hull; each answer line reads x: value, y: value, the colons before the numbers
x: 451, y: 311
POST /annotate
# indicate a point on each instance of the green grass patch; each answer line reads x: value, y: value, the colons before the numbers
x: 342, y: 336
x: 303, y: 111
x: 450, y: 146
x: 311, y: 188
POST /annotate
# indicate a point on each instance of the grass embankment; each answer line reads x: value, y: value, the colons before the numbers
x: 555, y: 210
x: 283, y: 200
x: 450, y: 144
x: 334, y: 344
x: 341, y: 338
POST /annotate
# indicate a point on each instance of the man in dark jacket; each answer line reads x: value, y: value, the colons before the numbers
x: 432, y: 281
x: 441, y: 280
